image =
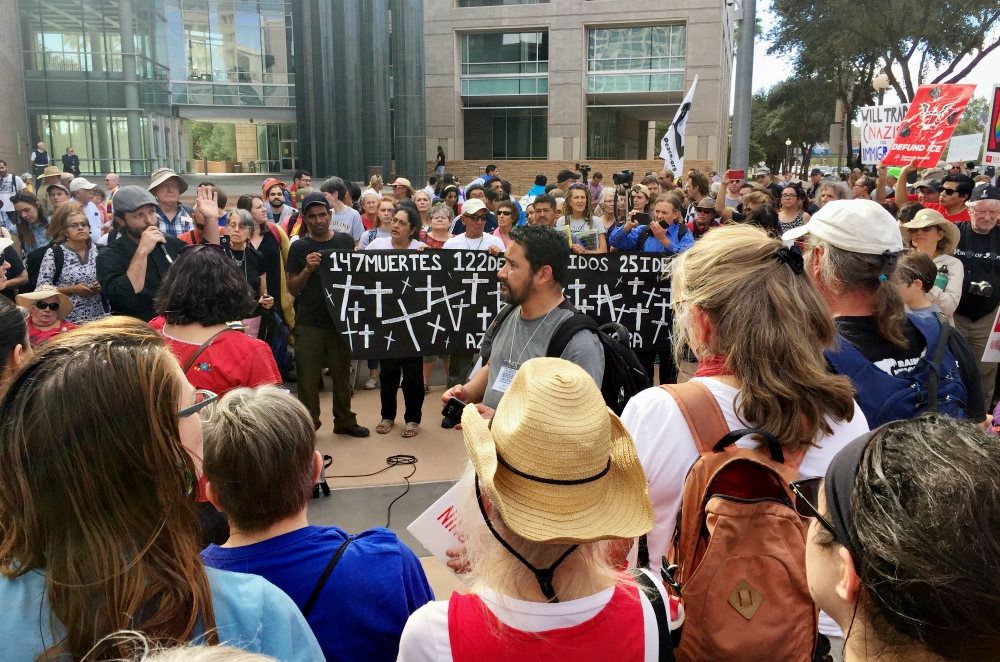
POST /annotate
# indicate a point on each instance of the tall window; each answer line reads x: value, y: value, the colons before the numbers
x: 505, y: 63
x: 642, y: 59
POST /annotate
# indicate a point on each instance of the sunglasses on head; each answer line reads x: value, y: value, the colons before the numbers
x: 44, y: 305
x: 806, y: 492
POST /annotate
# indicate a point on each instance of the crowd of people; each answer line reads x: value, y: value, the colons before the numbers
x: 823, y: 486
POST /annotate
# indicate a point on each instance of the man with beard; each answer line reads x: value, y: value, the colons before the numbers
x: 132, y: 266
x: 531, y: 278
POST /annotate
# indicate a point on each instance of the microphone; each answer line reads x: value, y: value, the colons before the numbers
x: 163, y: 248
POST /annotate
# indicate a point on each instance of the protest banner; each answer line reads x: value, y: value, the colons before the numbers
x: 965, y: 148
x: 672, y: 143
x: 924, y: 132
x: 992, y: 154
x: 435, y: 527
x: 878, y: 130
x: 394, y: 304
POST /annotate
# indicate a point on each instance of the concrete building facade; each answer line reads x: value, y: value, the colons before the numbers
x: 575, y: 79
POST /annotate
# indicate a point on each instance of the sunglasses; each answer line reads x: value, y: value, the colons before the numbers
x: 79, y: 226
x: 949, y: 191
x: 42, y: 305
x: 204, y: 406
x: 806, y: 492
x: 504, y: 213
x: 475, y: 217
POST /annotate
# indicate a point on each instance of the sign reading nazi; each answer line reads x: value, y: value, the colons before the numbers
x: 393, y: 304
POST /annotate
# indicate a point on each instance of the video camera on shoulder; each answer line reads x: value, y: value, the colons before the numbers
x: 623, y: 178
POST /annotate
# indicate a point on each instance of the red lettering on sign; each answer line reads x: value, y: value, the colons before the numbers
x: 448, y: 519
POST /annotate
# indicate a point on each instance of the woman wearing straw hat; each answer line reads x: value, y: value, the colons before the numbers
x: 932, y: 234
x: 554, y: 481
x: 47, y: 311
x: 402, y: 189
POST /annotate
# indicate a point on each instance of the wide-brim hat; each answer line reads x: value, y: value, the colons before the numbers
x: 51, y: 171
x: 928, y: 217
x: 163, y: 174
x: 558, y: 465
x: 405, y: 183
x: 44, y: 292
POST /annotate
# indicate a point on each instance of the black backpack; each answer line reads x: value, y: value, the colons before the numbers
x: 33, y: 263
x: 624, y: 376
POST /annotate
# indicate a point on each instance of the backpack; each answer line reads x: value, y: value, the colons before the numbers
x: 624, y: 375
x: 932, y: 385
x: 33, y: 263
x: 738, y: 553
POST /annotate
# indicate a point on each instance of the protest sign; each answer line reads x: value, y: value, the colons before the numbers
x: 393, y: 304
x: 435, y: 527
x: 964, y: 148
x: 924, y: 132
x: 992, y: 154
x: 878, y: 130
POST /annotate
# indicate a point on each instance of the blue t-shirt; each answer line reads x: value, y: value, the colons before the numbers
x: 250, y: 613
x: 366, y: 601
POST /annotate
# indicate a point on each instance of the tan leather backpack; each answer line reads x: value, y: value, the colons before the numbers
x: 739, y: 546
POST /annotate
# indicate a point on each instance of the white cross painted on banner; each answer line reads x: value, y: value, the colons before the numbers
x: 436, y: 325
x: 662, y: 322
x: 621, y: 311
x: 476, y: 281
x: 457, y: 321
x: 350, y: 334
x: 498, y: 294
x: 486, y: 316
x: 605, y: 298
x: 620, y: 279
x: 639, y: 312
x: 406, y: 284
x: 446, y: 298
x: 378, y: 292
x: 389, y: 339
x: 366, y: 334
x: 430, y: 292
x: 347, y: 287
x: 447, y: 341
x: 652, y: 293
x: 584, y: 306
x: 356, y: 309
x: 576, y: 287
x: 405, y: 318
x: 635, y: 283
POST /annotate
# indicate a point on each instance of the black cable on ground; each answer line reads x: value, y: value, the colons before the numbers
x: 390, y: 462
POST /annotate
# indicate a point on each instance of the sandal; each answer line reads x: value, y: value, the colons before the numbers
x: 384, y: 426
x: 411, y: 430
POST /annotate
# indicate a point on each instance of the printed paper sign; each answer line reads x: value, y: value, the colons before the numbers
x: 435, y: 528
x: 923, y: 135
x: 965, y: 148
x: 992, y: 353
x: 878, y: 130
x: 992, y: 154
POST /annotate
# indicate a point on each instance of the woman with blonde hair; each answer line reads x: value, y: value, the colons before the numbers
x: 76, y: 275
x: 758, y: 326
x: 422, y: 199
x: 384, y: 211
x: 375, y: 184
x: 100, y: 450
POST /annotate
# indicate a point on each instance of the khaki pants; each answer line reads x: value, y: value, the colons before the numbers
x: 978, y: 333
x: 317, y: 348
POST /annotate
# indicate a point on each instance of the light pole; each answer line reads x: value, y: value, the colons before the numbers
x: 788, y: 154
x: 881, y: 84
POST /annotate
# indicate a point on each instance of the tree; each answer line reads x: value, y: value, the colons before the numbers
x: 974, y: 118
x: 903, y: 37
x: 799, y: 109
x: 214, y: 141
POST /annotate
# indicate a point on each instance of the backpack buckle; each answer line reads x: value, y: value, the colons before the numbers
x: 668, y: 572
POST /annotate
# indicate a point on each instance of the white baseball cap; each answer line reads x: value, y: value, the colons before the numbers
x: 858, y: 226
x: 79, y: 183
x: 472, y: 206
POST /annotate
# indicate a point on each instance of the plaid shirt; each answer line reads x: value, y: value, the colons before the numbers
x: 177, y: 225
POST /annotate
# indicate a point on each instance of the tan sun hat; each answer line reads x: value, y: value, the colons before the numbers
x: 928, y: 217
x: 50, y: 171
x: 557, y: 464
x: 163, y: 174
x: 405, y: 183
x: 44, y: 292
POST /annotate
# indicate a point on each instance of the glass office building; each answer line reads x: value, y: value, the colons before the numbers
x: 123, y: 82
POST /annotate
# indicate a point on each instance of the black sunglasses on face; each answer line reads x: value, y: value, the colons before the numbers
x: 806, y: 492
x: 949, y: 191
x: 42, y: 305
x: 504, y: 213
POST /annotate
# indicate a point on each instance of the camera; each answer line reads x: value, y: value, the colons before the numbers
x: 623, y: 178
x: 981, y: 288
x: 584, y: 170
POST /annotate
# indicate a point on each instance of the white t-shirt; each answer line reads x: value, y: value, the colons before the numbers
x: 94, y: 217
x: 348, y: 221
x: 425, y: 637
x: 385, y: 244
x: 585, y: 232
x: 667, y: 451
x: 9, y: 185
x: 463, y: 243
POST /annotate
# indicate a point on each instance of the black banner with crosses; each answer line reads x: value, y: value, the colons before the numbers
x: 393, y: 304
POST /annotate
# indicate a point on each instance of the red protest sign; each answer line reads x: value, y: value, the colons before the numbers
x: 924, y: 132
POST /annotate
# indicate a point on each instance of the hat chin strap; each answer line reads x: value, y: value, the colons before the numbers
x: 543, y: 577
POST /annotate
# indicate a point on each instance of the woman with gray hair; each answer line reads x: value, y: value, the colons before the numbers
x: 440, y: 217
x: 236, y: 243
x: 831, y: 189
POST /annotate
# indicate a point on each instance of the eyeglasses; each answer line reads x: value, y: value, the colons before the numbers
x: 806, y: 492
x: 79, y: 226
x: 204, y: 406
x: 790, y: 196
x: 42, y: 305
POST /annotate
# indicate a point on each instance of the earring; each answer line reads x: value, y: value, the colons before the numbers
x: 701, y: 351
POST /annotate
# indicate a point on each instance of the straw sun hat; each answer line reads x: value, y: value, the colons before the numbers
x: 557, y: 464
x: 44, y: 292
x: 926, y: 217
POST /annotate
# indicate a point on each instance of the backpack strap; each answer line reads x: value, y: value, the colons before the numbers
x: 702, y: 412
x: 204, y: 346
x: 942, y: 344
x: 648, y: 587
x: 566, y: 330
x: 640, y: 242
x: 311, y: 602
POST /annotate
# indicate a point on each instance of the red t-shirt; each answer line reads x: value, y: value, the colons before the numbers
x: 38, y: 337
x: 232, y: 360
x: 954, y: 218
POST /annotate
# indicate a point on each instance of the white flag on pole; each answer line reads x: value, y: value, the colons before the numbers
x: 672, y: 143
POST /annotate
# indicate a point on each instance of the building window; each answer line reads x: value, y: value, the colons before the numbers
x: 505, y: 63
x: 643, y: 59
x: 518, y: 133
x: 494, y: 3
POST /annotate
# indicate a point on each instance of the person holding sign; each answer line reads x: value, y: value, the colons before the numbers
x: 403, y: 229
x: 955, y: 192
x: 318, y: 343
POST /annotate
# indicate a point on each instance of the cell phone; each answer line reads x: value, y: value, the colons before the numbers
x: 642, y: 217
x: 736, y: 174
x: 453, y: 410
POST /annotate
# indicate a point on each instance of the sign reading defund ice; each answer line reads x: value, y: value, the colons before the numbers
x: 392, y: 304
